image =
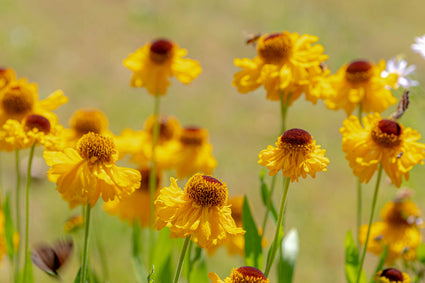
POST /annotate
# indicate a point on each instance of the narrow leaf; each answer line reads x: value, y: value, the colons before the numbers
x: 199, y: 272
x: 8, y: 227
x: 381, y: 262
x: 253, y: 248
x: 420, y: 252
x: 265, y: 196
x: 288, y: 256
x: 162, y: 253
x: 352, y: 260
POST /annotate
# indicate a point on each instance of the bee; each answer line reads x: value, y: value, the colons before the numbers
x: 251, y: 38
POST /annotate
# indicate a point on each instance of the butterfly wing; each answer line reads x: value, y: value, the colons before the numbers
x: 44, y: 258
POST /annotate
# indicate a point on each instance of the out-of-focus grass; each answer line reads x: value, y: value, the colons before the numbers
x: 78, y: 46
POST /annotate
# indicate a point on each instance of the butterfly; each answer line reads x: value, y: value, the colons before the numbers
x: 51, y: 258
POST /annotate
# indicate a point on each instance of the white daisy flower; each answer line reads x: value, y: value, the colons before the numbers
x: 400, y: 68
x: 419, y: 45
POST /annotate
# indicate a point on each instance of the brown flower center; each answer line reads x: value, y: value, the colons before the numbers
x: 144, y: 184
x: 359, y: 71
x: 296, y: 137
x: 161, y: 51
x: 168, y: 128
x: 393, y: 275
x: 387, y: 133
x: 206, y: 191
x: 37, y: 122
x: 96, y: 148
x: 193, y: 136
x: 17, y: 101
x: 275, y: 48
x: 248, y: 274
x: 88, y: 120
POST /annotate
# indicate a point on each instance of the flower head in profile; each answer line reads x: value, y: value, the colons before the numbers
x: 34, y: 129
x: 419, y: 45
x: 286, y: 63
x: 20, y: 99
x: 361, y: 83
x: 296, y: 154
x: 199, y: 211
x: 399, y: 67
x: 155, y: 62
x: 73, y: 224
x: 86, y: 120
x: 88, y: 172
x: 381, y: 141
x: 193, y: 153
x: 392, y: 275
x: 135, y: 206
x: 245, y: 274
x: 7, y: 75
x: 399, y: 230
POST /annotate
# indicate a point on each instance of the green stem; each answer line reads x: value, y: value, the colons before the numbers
x: 190, y: 262
x: 18, y: 210
x: 152, y: 174
x: 86, y: 245
x: 27, y: 211
x: 359, y: 210
x: 269, y: 200
x: 375, y: 197
x: 181, y: 259
x: 274, y: 246
x: 284, y: 110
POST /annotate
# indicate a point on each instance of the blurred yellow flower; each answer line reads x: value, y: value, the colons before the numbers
x: 380, y: 141
x: 3, y: 246
x: 392, y: 275
x: 155, y: 62
x: 245, y: 274
x: 84, y: 121
x: 286, y: 63
x: 6, y: 77
x: 296, y: 154
x: 34, y: 129
x: 199, y: 211
x: 20, y: 99
x: 137, y: 205
x: 361, y: 83
x: 193, y: 153
x: 73, y: 224
x: 84, y: 174
x: 399, y: 230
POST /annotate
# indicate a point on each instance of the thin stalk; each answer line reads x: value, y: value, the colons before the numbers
x: 190, y: 263
x: 27, y: 210
x: 284, y: 110
x: 274, y: 246
x: 269, y: 200
x: 152, y: 174
x: 86, y: 245
x: 181, y: 259
x: 359, y: 192
x: 375, y: 197
x: 18, y: 211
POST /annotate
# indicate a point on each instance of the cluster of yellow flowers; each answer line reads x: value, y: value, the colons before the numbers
x: 82, y: 158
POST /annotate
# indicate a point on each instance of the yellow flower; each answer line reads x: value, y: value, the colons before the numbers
x: 84, y: 174
x: 361, y: 83
x: 33, y: 129
x: 3, y: 246
x: 380, y: 141
x: 155, y: 62
x: 6, y: 77
x: 199, y: 211
x: 286, y: 63
x: 139, y: 143
x: 20, y: 99
x: 392, y: 275
x: 84, y: 121
x: 137, y: 205
x: 399, y: 230
x: 245, y: 274
x: 296, y: 154
x: 193, y: 153
x: 73, y: 224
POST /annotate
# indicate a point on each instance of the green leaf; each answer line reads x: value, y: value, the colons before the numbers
x: 199, y: 272
x: 265, y: 195
x: 253, y: 248
x: 29, y: 276
x: 161, y: 257
x: 8, y: 227
x: 352, y: 260
x: 288, y: 256
x: 77, y: 278
x: 420, y: 252
x: 381, y: 263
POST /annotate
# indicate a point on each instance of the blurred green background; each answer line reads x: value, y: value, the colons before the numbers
x: 78, y: 46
